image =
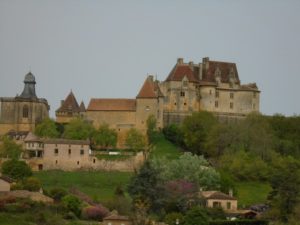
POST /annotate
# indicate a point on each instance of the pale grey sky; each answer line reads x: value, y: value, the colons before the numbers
x: 105, y: 49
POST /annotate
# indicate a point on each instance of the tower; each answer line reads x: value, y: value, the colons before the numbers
x: 29, y: 87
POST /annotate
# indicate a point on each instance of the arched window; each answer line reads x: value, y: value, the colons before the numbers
x: 25, y: 111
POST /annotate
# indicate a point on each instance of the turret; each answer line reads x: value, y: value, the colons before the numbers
x: 29, y: 87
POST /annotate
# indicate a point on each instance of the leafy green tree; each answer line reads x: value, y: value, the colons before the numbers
x: 47, y: 128
x: 174, y: 217
x: 174, y: 134
x: 196, y: 216
x: 31, y: 184
x: 151, y: 128
x: 78, y: 129
x: 73, y: 204
x: 196, y: 128
x: 105, y: 137
x: 9, y: 148
x: 146, y: 186
x: 189, y: 167
x: 135, y: 140
x: 285, y: 182
x: 16, y: 169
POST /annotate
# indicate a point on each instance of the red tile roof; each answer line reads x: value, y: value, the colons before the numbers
x: 69, y: 104
x: 148, y: 89
x: 103, y: 104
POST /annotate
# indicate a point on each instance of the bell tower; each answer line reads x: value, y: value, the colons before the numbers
x: 29, y: 87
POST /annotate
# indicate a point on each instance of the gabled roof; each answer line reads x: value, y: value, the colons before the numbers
x: 180, y: 71
x: 69, y: 104
x: 148, y: 89
x: 106, y: 104
x: 82, y: 107
x: 32, y: 138
x: 224, y: 67
x: 216, y: 195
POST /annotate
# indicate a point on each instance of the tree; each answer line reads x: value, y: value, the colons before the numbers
x: 285, y: 182
x: 135, y: 140
x: 105, y: 137
x: 196, y: 216
x: 16, y: 169
x: 31, y: 184
x: 196, y: 128
x: 146, y: 186
x: 10, y: 149
x: 47, y: 128
x: 174, y: 217
x: 78, y: 129
x: 151, y: 128
x: 189, y: 167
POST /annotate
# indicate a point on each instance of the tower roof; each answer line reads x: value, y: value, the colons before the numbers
x: 69, y: 104
x: 29, y: 87
x: 150, y: 89
x: 29, y: 78
x: 82, y: 107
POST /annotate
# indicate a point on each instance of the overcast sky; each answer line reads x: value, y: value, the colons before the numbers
x: 105, y: 49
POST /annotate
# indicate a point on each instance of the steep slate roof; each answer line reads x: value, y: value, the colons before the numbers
x: 106, y: 104
x: 216, y: 195
x: 69, y: 105
x: 82, y: 107
x: 225, y: 67
x: 181, y: 70
x: 150, y: 89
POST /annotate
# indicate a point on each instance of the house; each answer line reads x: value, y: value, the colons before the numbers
x: 214, y: 199
x: 5, y: 183
x: 115, y: 219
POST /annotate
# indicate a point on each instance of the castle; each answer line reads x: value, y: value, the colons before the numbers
x: 209, y: 85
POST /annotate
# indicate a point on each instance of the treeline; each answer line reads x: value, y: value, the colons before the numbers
x: 257, y: 148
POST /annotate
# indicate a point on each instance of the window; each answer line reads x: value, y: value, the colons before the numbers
x: 56, y: 162
x: 231, y: 95
x: 77, y: 162
x: 216, y: 104
x: 231, y: 105
x: 70, y: 151
x: 217, y: 94
x: 56, y: 151
x: 174, y: 103
x: 228, y: 205
x: 182, y: 93
x: 94, y: 160
x: 216, y: 204
x: 184, y: 103
x: 81, y: 152
x: 25, y: 111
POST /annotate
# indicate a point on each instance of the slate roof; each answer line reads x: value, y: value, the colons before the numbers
x: 69, y: 104
x: 109, y: 104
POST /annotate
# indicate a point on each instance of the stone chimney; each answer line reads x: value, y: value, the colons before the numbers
x: 205, y: 63
x: 151, y: 77
x: 180, y: 61
x: 200, y: 71
x: 191, y: 65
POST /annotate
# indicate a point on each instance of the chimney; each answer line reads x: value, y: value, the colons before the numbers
x: 205, y: 63
x: 200, y: 71
x: 62, y: 102
x: 180, y: 61
x: 205, y: 59
x: 151, y: 77
x: 191, y: 65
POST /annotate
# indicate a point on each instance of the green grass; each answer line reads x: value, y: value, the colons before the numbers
x: 249, y: 193
x: 164, y: 148
x: 99, y: 185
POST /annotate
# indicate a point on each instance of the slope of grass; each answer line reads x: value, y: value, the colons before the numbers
x: 249, y: 193
x: 164, y: 148
x: 99, y: 185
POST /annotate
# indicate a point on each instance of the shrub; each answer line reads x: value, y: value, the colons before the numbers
x: 32, y: 184
x: 16, y: 169
x: 57, y: 193
x: 171, y: 218
x: 72, y: 203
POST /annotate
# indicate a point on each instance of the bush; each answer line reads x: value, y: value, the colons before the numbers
x: 94, y: 213
x: 171, y: 218
x: 16, y: 169
x: 57, y: 193
x: 239, y: 222
x: 72, y: 203
x: 32, y: 184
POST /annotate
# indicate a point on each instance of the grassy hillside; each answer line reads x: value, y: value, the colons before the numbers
x: 99, y: 185
x: 249, y: 193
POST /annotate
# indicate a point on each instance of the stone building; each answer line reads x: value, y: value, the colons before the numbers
x: 211, y: 86
x: 69, y: 109
x: 217, y: 199
x: 123, y: 114
x: 23, y: 112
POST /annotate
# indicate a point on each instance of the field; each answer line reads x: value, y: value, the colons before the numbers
x: 250, y: 193
x: 99, y: 185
